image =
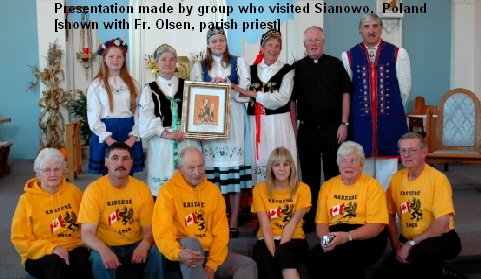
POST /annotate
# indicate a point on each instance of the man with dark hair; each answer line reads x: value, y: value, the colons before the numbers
x: 116, y: 217
x: 421, y: 197
x: 322, y: 91
x: 381, y: 75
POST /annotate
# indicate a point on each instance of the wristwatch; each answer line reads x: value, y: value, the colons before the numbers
x: 345, y: 123
x: 412, y: 242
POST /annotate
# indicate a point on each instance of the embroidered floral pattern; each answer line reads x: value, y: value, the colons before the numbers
x: 223, y: 152
x: 160, y: 181
x: 260, y: 170
x: 271, y: 86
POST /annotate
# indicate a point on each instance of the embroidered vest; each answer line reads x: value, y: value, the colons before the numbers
x: 162, y: 106
x: 272, y: 85
x: 377, y: 113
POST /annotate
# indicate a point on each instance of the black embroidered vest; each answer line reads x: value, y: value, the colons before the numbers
x: 163, y: 107
x: 273, y: 85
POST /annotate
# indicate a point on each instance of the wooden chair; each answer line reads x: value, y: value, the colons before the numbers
x: 74, y: 156
x: 455, y: 135
x: 4, y: 153
x: 416, y: 118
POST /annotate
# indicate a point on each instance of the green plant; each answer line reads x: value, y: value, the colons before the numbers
x: 79, y: 109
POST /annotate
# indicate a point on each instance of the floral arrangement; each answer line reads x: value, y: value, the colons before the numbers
x: 117, y: 42
x: 197, y: 57
x: 51, y: 120
x: 150, y: 62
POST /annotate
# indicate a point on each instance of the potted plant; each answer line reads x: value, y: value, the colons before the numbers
x: 51, y: 120
x: 79, y: 109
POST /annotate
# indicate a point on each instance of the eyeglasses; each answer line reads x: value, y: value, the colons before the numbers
x: 411, y: 151
x: 49, y: 171
x: 310, y: 41
x: 352, y: 161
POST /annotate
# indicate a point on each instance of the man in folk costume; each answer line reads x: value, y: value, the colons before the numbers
x: 381, y: 75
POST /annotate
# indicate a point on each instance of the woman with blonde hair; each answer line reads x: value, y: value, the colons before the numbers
x: 280, y: 203
x: 112, y: 99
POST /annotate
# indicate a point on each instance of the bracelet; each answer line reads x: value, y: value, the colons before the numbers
x: 162, y: 133
x: 349, y: 235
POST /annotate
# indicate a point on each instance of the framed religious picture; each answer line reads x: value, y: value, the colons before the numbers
x: 389, y: 8
x: 206, y: 110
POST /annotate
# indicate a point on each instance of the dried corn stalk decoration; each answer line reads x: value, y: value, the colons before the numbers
x: 51, y: 120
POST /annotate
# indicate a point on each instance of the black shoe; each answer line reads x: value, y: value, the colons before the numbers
x: 233, y: 233
x: 450, y: 272
x: 256, y: 230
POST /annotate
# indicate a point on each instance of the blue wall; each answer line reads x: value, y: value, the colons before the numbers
x: 235, y: 36
x: 427, y: 38
x: 102, y: 33
x: 19, y: 48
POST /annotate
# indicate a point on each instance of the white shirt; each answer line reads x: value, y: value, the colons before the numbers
x: 98, y: 105
x: 149, y: 124
x: 276, y: 99
x: 243, y: 72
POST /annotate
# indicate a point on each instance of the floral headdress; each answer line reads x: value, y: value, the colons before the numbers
x: 116, y: 42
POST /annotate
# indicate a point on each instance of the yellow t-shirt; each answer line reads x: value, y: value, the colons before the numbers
x: 364, y: 202
x: 119, y: 214
x: 281, y: 207
x: 419, y: 202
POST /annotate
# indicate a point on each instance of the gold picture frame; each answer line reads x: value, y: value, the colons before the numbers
x: 206, y: 110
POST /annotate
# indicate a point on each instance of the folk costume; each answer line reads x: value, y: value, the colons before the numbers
x: 269, y: 115
x: 228, y: 162
x: 120, y: 123
x: 160, y: 109
x: 381, y: 76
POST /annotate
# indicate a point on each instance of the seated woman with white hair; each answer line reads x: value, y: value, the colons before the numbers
x: 351, y: 216
x: 45, y: 231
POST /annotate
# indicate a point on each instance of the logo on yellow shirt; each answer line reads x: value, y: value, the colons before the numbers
x: 56, y: 224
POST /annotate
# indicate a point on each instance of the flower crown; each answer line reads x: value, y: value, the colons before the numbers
x: 117, y: 42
